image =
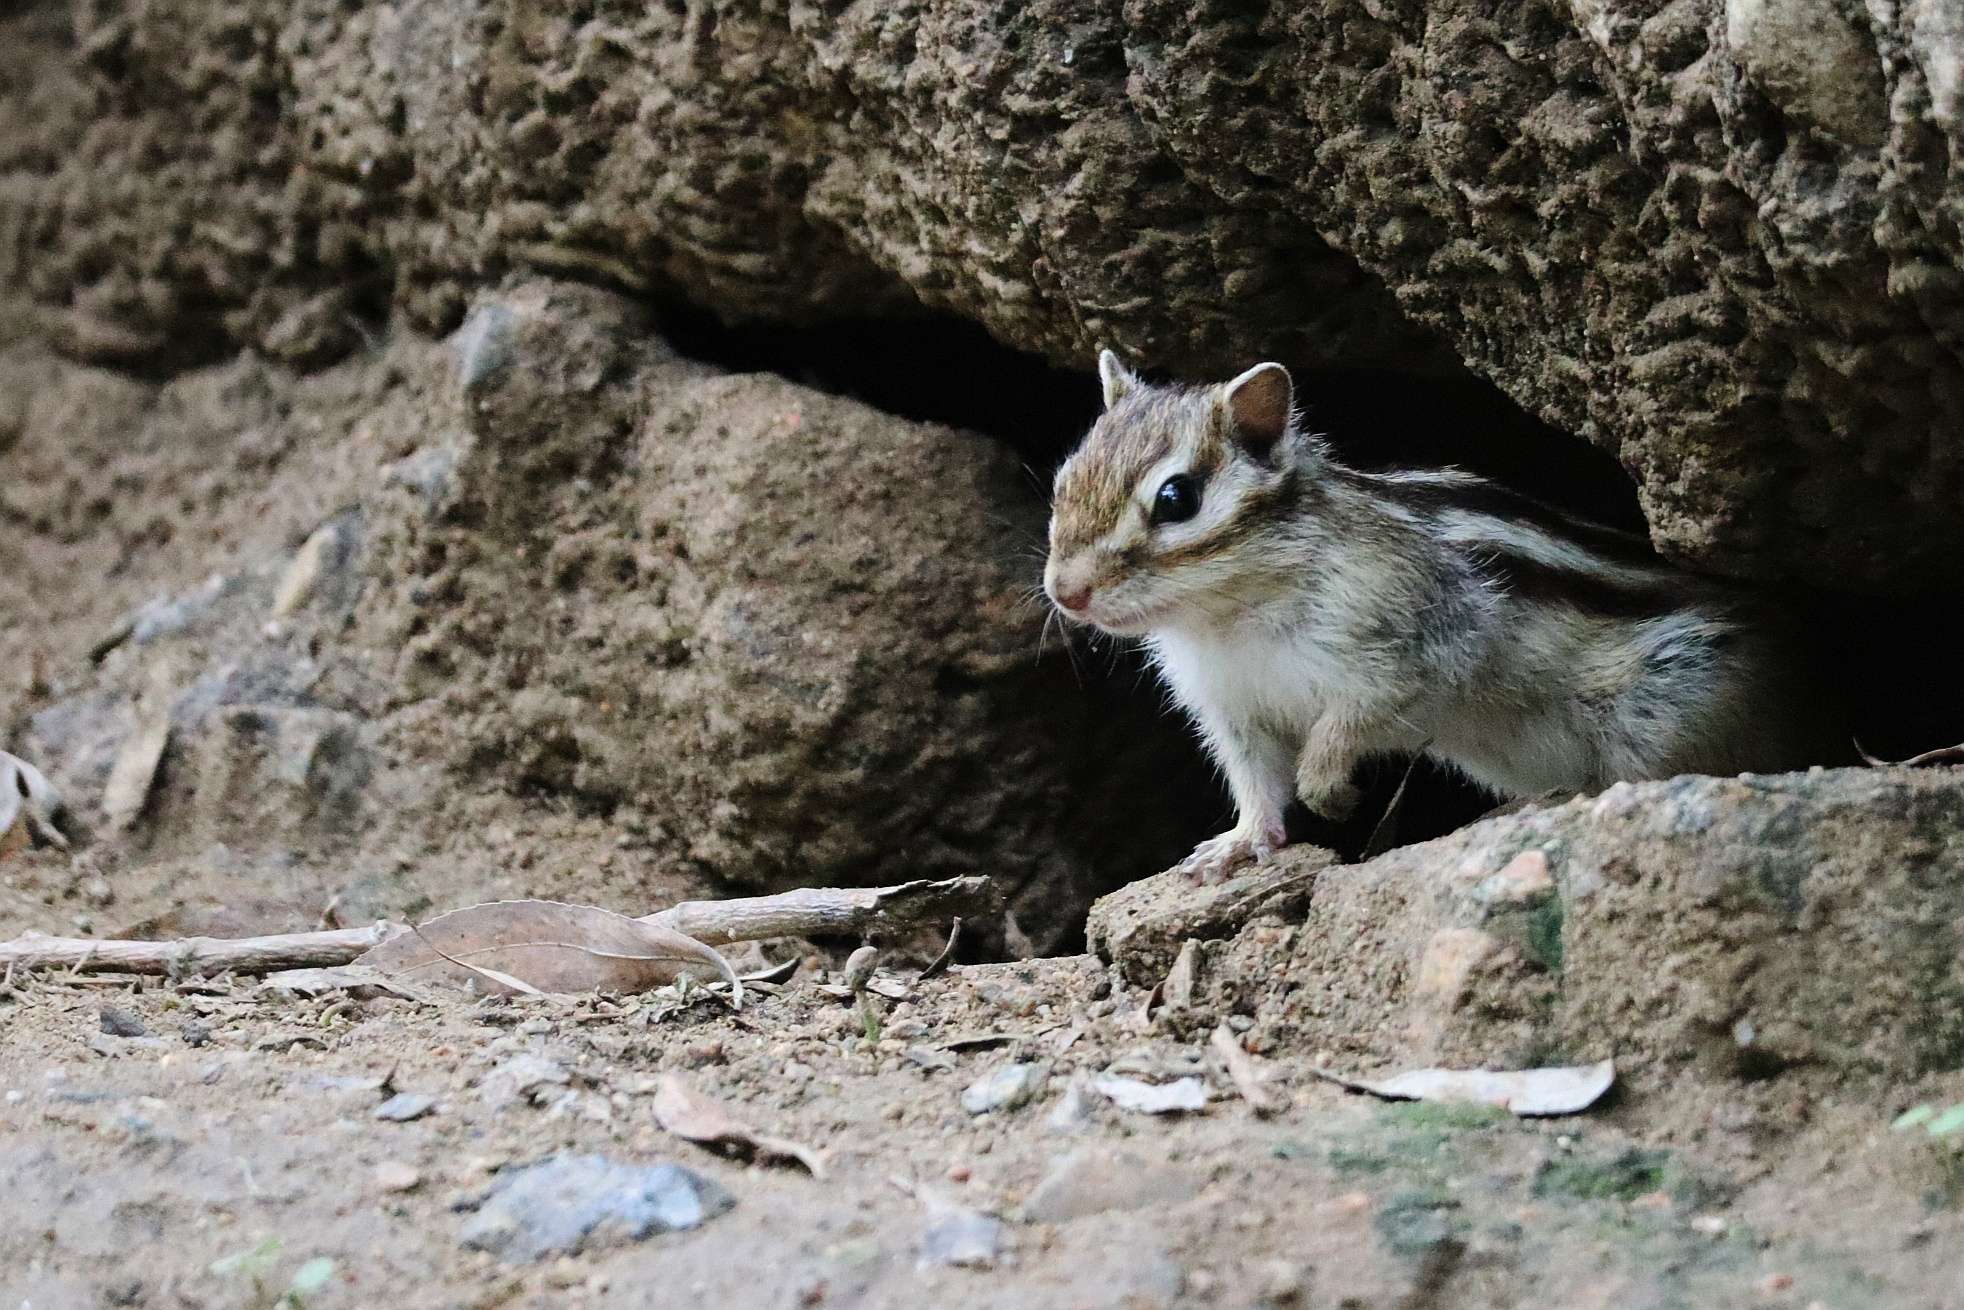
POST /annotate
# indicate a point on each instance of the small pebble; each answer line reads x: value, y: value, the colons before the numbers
x: 1006, y: 1087
x: 960, y: 1237
x: 1283, y: 1282
x: 196, y: 1032
x: 1710, y: 1225
x: 118, y: 1022
x: 404, y: 1106
x: 395, y: 1176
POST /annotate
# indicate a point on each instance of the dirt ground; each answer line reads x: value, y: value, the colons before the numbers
x: 242, y: 1122
x: 480, y: 699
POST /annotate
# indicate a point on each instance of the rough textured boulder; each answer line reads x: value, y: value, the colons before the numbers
x: 1811, y: 924
x: 1719, y: 239
x: 547, y: 609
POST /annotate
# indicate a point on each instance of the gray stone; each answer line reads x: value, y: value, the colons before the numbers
x: 1822, y: 911
x: 1143, y: 926
x: 565, y: 1204
x: 955, y: 1235
x: 405, y: 1106
x: 1006, y: 1087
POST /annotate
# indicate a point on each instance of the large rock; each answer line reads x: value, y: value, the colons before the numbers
x: 1718, y: 237
x: 1811, y: 923
x: 798, y: 630
x: 548, y: 610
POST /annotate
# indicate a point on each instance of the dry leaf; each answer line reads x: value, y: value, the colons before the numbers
x: 548, y: 946
x: 693, y: 1117
x: 1243, y: 1071
x: 881, y: 985
x: 28, y: 802
x: 1568, y: 1089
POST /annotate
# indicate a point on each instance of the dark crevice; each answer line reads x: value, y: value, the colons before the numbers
x: 948, y: 370
x: 1892, y: 660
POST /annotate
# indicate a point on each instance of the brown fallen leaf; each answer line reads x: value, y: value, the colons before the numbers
x: 548, y: 946
x: 1244, y: 1072
x: 693, y: 1117
x: 1567, y: 1089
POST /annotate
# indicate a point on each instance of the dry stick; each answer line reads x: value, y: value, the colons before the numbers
x: 188, y: 955
x: 830, y: 911
x: 806, y: 912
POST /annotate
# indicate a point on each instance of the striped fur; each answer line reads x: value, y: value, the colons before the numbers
x: 1311, y: 615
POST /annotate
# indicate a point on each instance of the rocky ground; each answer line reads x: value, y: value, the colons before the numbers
x: 544, y: 609
x: 225, y: 1142
x: 581, y: 451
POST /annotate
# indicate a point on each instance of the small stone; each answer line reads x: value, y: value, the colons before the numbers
x: 565, y: 1204
x: 524, y: 1077
x: 395, y: 1176
x: 1451, y: 959
x: 1074, y: 1112
x: 1523, y: 880
x: 196, y: 1032
x: 1092, y: 1181
x: 1182, y: 981
x: 930, y: 1059
x: 1180, y: 1096
x: 958, y: 1236
x: 1007, y: 1087
x: 405, y: 1106
x: 316, y: 554
x: 118, y: 1022
x: 1282, y: 1283
x: 1711, y: 1225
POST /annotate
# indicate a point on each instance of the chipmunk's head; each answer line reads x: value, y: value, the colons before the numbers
x: 1160, y: 516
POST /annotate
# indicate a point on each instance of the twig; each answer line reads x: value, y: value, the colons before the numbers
x: 940, y: 963
x: 806, y: 912
x: 1243, y: 1071
x: 830, y: 911
x: 1371, y: 847
x: 1941, y: 755
x: 195, y: 955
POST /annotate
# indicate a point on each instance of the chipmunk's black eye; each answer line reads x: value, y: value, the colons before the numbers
x: 1176, y: 501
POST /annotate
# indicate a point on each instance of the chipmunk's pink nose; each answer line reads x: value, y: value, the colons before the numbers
x: 1076, y: 601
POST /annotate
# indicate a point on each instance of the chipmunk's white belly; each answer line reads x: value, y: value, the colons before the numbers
x: 1254, y: 681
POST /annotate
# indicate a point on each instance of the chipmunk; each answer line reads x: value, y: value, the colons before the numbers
x: 1307, y: 615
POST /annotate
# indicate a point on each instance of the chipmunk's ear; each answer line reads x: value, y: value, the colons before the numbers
x: 1117, y: 378
x: 1258, y: 405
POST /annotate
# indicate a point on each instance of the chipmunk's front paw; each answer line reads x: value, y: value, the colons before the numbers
x: 1218, y: 857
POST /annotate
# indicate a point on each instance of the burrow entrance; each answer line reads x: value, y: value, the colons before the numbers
x: 1893, y: 657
